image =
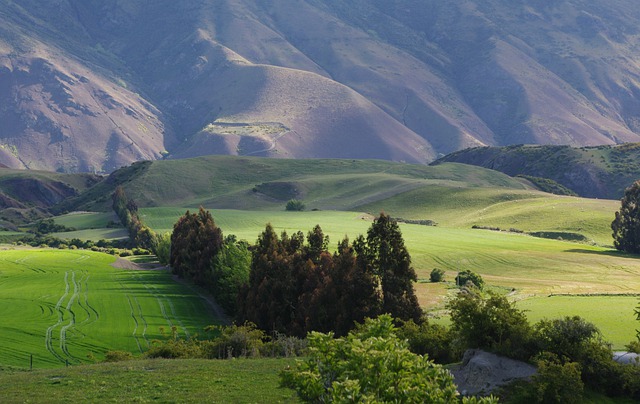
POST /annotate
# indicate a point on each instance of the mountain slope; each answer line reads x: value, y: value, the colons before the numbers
x: 593, y: 172
x: 93, y: 85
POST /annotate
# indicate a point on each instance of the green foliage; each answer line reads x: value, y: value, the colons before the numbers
x: 118, y: 356
x: 433, y: 340
x: 566, y: 337
x: 555, y: 382
x: 127, y: 210
x: 370, y: 365
x: 491, y: 323
x: 466, y: 276
x: 295, y: 205
x: 195, y: 241
x: 436, y: 275
x: 626, y: 225
x: 296, y: 287
x: 46, y: 226
x: 235, y: 341
x: 548, y: 185
x: 385, y: 253
x: 230, y: 270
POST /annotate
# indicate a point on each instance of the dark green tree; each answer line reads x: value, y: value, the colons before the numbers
x: 194, y: 243
x: 385, y: 255
x: 270, y: 298
x: 626, y: 225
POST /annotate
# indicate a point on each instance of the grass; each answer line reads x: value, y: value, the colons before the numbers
x: 530, y: 266
x: 608, y: 313
x: 65, y: 306
x: 93, y: 234
x: 164, y: 381
x: 87, y: 220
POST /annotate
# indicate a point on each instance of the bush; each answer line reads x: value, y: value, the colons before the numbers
x: 295, y: 205
x: 235, y: 341
x: 118, y: 356
x: 492, y: 323
x: 370, y: 365
x: 437, y: 275
x: 557, y: 382
x: 467, y: 276
x: 433, y: 340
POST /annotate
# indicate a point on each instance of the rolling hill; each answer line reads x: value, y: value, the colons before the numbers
x: 90, y: 86
x: 593, y: 172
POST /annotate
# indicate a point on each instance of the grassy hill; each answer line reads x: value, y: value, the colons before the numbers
x: 267, y: 184
x: 593, y: 172
x: 453, y: 195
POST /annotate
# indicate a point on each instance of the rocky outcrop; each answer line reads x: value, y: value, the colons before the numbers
x: 482, y: 372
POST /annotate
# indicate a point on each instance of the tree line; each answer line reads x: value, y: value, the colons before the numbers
x: 293, y: 284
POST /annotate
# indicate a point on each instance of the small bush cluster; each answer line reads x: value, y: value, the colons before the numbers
x: 236, y: 341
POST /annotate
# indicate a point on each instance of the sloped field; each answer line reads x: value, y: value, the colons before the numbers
x: 68, y: 306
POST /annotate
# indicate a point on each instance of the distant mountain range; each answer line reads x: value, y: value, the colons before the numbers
x: 92, y: 85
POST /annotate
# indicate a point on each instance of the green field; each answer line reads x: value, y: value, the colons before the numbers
x: 609, y: 313
x: 158, y: 380
x: 531, y: 267
x: 65, y: 306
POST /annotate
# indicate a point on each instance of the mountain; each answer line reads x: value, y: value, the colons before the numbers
x: 88, y: 85
x: 593, y: 172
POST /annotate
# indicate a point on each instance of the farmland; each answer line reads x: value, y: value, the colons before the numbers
x: 71, y: 306
x: 528, y: 267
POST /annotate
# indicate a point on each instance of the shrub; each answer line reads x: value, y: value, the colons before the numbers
x: 118, y: 356
x: 437, y: 275
x: 433, y: 340
x: 491, y: 323
x: 370, y: 364
x: 295, y: 205
x: 557, y: 382
x: 469, y: 276
x: 235, y: 341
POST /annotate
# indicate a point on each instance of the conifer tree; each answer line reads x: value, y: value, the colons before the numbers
x: 626, y: 225
x: 386, y: 254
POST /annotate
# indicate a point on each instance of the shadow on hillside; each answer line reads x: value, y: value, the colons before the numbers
x: 611, y: 253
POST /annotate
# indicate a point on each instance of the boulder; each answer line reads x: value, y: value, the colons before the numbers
x: 482, y: 372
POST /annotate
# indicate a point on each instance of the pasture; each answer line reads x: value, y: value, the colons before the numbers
x: 157, y: 380
x: 529, y: 267
x: 71, y: 306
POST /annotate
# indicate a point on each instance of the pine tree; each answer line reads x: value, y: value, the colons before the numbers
x: 388, y: 257
x: 626, y: 225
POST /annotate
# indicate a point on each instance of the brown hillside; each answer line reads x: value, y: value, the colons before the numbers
x: 91, y: 85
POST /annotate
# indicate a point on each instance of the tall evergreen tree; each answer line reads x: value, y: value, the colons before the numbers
x: 388, y: 257
x: 194, y: 243
x: 626, y: 225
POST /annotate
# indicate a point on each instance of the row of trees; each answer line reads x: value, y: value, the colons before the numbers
x: 296, y: 287
x: 140, y: 235
x: 292, y: 285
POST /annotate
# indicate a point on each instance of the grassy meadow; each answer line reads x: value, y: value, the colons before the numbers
x: 71, y: 306
x: 526, y: 266
x: 158, y: 380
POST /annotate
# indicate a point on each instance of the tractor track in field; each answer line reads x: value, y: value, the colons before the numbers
x: 144, y: 321
x: 72, y: 321
x: 135, y: 321
x: 48, y: 340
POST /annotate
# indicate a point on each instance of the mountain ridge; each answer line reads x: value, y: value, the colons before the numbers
x: 96, y: 85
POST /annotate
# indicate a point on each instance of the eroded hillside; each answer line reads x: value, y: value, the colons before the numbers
x: 94, y: 85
